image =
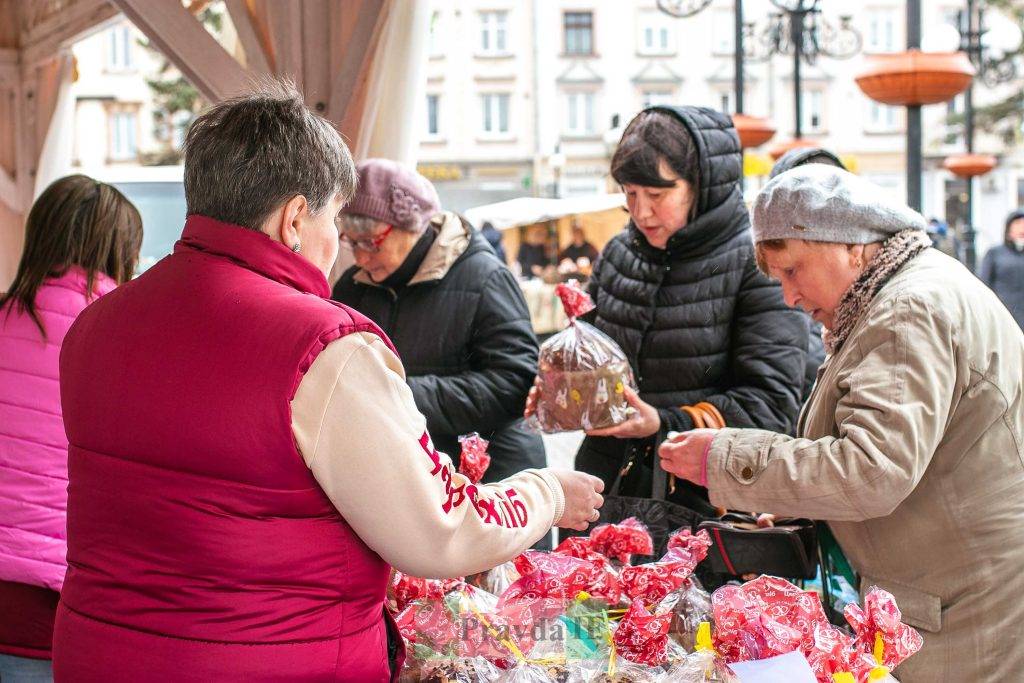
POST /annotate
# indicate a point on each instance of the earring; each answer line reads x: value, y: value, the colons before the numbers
x: 296, y: 247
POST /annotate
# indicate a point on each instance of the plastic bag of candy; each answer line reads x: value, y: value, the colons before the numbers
x: 458, y: 670
x: 703, y: 665
x: 474, y: 460
x: 879, y: 626
x: 497, y: 580
x: 582, y: 373
x: 549, y: 581
x: 654, y: 581
x: 486, y: 631
x: 404, y: 589
x: 882, y: 641
x: 623, y: 671
x: 642, y: 637
x: 546, y: 672
x: 764, y: 618
x: 619, y: 542
x: 690, y: 607
x: 606, y: 585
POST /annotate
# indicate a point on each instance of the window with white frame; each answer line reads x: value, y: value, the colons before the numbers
x: 813, y: 112
x: 656, y: 36
x: 658, y: 97
x: 882, y: 118
x: 122, y: 131
x: 723, y: 32
x: 433, y: 116
x: 494, y: 33
x: 579, y: 113
x: 881, y: 30
x: 435, y: 35
x: 579, y: 33
x: 495, y: 113
x: 119, y: 48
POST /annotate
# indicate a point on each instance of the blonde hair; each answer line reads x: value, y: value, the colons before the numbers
x: 762, y: 247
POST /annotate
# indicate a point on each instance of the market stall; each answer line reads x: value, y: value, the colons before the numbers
x: 547, y: 225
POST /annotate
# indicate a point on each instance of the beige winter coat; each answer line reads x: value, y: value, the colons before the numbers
x: 912, y: 449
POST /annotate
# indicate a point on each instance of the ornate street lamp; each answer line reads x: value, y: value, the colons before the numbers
x: 682, y: 8
x: 798, y: 30
x: 912, y: 79
x: 988, y: 51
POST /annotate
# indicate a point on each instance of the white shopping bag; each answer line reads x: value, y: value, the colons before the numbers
x: 787, y: 668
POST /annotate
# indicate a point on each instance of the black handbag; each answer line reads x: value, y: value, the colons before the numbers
x: 788, y: 550
x: 661, y: 517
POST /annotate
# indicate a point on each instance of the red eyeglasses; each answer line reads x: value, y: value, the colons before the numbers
x: 370, y: 245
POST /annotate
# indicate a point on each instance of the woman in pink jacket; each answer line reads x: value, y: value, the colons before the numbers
x: 82, y: 239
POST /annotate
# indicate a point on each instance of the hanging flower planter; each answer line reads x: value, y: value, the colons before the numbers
x: 780, y: 148
x: 969, y: 165
x: 753, y: 130
x: 914, y: 77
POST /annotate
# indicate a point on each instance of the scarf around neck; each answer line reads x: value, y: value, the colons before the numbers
x: 895, y: 252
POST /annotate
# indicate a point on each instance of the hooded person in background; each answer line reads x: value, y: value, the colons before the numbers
x: 1003, y: 267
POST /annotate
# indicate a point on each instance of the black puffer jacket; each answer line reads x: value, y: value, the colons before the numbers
x: 697, y: 320
x: 463, y: 332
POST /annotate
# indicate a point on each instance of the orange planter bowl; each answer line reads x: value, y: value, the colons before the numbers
x: 780, y: 148
x: 914, y: 77
x: 753, y: 130
x: 969, y: 165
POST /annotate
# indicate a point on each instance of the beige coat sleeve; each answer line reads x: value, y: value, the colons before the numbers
x: 357, y: 427
x: 894, y: 401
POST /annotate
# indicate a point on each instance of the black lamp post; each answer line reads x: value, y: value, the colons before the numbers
x: 992, y: 70
x: 687, y: 8
x: 800, y: 31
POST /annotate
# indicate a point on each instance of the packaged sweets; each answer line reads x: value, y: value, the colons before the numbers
x: 474, y: 460
x: 583, y: 373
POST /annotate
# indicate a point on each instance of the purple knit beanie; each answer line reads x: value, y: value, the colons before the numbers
x: 394, y: 194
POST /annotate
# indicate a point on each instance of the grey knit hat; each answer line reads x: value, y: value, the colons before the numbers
x: 823, y: 203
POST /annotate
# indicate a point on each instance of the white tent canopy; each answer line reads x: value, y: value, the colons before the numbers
x: 526, y: 210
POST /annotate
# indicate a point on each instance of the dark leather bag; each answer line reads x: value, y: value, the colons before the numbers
x: 662, y: 517
x: 788, y: 550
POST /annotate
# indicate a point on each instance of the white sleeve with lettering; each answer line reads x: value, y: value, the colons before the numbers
x: 358, y: 429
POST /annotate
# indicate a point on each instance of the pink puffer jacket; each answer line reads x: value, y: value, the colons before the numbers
x: 33, y: 447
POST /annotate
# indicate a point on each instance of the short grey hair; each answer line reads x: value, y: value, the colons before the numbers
x: 358, y: 224
x: 246, y: 156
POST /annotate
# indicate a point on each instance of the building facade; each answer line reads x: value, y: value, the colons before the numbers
x: 531, y: 97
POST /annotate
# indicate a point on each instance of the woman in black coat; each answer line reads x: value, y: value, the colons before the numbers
x: 680, y: 292
x: 454, y: 312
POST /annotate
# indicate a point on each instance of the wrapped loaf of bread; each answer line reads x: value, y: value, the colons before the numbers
x: 583, y: 373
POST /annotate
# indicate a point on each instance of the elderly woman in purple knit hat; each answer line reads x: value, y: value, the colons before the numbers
x: 912, y: 443
x: 453, y: 310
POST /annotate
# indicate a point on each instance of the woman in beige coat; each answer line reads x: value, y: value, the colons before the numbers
x: 910, y: 445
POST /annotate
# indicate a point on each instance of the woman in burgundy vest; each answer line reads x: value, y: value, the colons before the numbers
x: 246, y: 460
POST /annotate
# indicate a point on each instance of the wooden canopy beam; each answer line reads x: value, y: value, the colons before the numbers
x: 253, y: 35
x: 184, y: 41
x: 40, y: 42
